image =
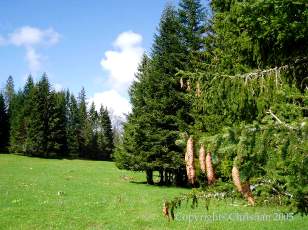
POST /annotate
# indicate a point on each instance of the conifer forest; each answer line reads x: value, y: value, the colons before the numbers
x: 219, y: 107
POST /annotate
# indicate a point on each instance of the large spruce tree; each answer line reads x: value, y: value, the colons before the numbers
x: 38, y: 126
x: 73, y: 127
x: 4, y: 125
x: 105, y: 134
x: 159, y: 108
x: 57, y: 123
x: 82, y: 113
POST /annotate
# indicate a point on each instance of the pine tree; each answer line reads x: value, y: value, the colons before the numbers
x: 9, y: 92
x: 192, y: 29
x: 57, y: 138
x: 38, y: 127
x: 82, y: 113
x: 73, y: 127
x: 158, y: 108
x: 132, y: 152
x: 21, y: 107
x: 105, y: 133
x: 17, y: 124
x: 4, y: 125
x: 92, y: 133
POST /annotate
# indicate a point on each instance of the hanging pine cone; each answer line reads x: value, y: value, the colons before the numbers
x: 202, y: 159
x: 248, y: 194
x: 188, y: 86
x: 190, y: 164
x: 244, y: 188
x: 209, y: 169
x: 236, y: 179
x: 166, y: 210
x: 198, y: 90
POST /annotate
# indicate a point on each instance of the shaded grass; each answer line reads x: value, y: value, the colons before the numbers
x: 77, y: 194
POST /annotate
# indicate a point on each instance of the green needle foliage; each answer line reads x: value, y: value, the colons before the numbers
x: 251, y: 118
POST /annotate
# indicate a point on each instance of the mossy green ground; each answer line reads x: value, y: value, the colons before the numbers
x: 78, y: 194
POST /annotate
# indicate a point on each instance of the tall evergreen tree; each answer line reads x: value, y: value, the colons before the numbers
x: 193, y: 25
x: 17, y: 124
x: 57, y: 139
x: 82, y: 113
x: 105, y: 134
x: 4, y: 125
x: 73, y: 127
x: 9, y: 92
x: 92, y: 133
x: 21, y: 107
x: 158, y: 107
x: 38, y: 127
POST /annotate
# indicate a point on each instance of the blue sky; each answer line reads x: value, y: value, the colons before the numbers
x: 94, y: 43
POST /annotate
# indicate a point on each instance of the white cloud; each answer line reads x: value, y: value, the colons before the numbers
x: 116, y: 103
x: 2, y: 41
x: 58, y: 87
x: 127, y: 40
x: 33, y: 59
x: 30, y: 37
x: 121, y: 64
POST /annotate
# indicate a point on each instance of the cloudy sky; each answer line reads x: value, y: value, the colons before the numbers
x: 96, y: 44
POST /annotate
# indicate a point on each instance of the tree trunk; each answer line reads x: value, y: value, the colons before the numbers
x: 180, y: 177
x: 161, y: 174
x: 149, y: 174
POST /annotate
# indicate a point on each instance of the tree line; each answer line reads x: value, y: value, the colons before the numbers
x: 39, y: 121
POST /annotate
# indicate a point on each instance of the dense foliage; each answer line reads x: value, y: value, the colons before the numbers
x: 236, y: 85
x: 38, y: 121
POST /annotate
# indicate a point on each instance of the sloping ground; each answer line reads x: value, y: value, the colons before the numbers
x: 77, y: 194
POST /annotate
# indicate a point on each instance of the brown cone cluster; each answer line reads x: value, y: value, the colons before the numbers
x: 190, y: 163
x: 209, y: 169
x: 202, y: 159
x: 242, y: 188
x: 166, y: 210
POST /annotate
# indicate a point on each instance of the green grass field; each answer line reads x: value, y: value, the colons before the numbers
x: 77, y: 194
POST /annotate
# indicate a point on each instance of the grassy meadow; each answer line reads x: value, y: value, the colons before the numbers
x: 77, y: 194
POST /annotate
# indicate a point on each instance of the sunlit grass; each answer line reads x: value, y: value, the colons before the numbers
x: 77, y: 194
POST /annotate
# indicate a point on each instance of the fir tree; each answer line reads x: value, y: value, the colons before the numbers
x: 158, y: 107
x: 9, y: 92
x: 4, y: 125
x: 21, y: 107
x: 57, y: 139
x: 38, y: 127
x: 192, y: 19
x: 92, y: 133
x: 105, y: 133
x: 82, y: 113
x: 73, y: 127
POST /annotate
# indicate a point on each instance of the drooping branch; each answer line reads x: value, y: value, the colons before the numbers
x: 279, y: 121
